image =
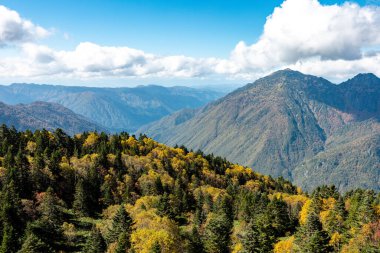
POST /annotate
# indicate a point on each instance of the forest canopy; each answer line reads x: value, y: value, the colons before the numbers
x: 95, y: 192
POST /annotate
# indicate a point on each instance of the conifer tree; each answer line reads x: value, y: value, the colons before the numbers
x: 216, y: 238
x: 33, y: 244
x: 95, y: 242
x: 11, y: 219
x: 80, y: 204
x: 8, y: 161
x: 195, y: 245
x: 121, y: 222
x: 279, y: 216
x: 224, y: 206
x: 54, y: 161
x: 123, y: 243
x: 259, y: 236
x: 22, y: 166
x: 93, y: 183
x: 10, y: 239
x: 48, y: 225
x: 366, y: 212
x: 311, y: 238
x: 164, y: 208
x: 49, y: 208
x: 118, y: 165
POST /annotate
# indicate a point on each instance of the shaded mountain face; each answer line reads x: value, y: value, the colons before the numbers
x: 120, y: 109
x: 289, y: 124
x: 40, y: 115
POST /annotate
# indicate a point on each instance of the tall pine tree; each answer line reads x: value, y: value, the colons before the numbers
x: 121, y: 223
x: 216, y: 238
x: 95, y: 242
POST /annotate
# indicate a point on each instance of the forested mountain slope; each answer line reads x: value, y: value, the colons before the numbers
x: 50, y: 116
x: 117, y: 193
x: 120, y: 109
x: 288, y: 124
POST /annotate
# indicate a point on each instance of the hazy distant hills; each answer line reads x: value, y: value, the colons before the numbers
x: 289, y: 124
x: 119, y: 109
x: 40, y: 115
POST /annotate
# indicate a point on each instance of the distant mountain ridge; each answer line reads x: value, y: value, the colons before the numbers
x: 120, y: 109
x: 302, y: 127
x: 50, y: 116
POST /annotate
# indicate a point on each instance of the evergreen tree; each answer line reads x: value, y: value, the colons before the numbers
x: 159, y: 189
x: 80, y: 204
x: 9, y: 161
x: 22, y: 166
x: 123, y: 243
x: 164, y: 208
x: 93, y: 182
x: 53, y: 165
x: 50, y: 208
x: 200, y: 215
x: 121, y: 222
x: 224, y: 206
x: 217, y: 233
x: 311, y: 238
x: 10, y: 240
x: 279, y: 216
x: 95, y: 242
x: 107, y: 190
x: 48, y: 226
x: 33, y: 244
x: 366, y: 212
x: 118, y: 165
x: 176, y: 200
x: 11, y: 219
x: 195, y: 244
x: 259, y: 236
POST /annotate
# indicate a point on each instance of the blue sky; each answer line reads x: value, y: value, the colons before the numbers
x: 195, y: 29
x: 199, y: 28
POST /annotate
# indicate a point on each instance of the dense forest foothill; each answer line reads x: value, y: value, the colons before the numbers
x: 94, y: 192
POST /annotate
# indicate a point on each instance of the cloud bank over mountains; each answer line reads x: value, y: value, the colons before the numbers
x: 333, y: 41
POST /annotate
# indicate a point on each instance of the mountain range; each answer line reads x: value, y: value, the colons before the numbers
x: 117, y: 109
x: 288, y: 124
x: 50, y: 116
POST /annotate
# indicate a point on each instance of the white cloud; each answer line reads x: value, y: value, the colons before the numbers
x: 333, y: 41
x: 91, y: 60
x: 302, y: 29
x: 14, y: 29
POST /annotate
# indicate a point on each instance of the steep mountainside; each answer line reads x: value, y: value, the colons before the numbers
x: 289, y: 124
x: 120, y: 109
x: 40, y: 115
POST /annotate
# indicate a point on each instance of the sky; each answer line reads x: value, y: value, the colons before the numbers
x: 185, y: 42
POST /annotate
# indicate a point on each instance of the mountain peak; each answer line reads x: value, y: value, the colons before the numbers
x: 368, y: 80
x: 366, y: 77
x: 291, y: 79
x: 370, y: 75
x: 286, y: 73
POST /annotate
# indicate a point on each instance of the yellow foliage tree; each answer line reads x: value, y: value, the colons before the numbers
x: 305, y: 211
x: 285, y: 246
x: 151, y: 229
x: 336, y: 241
x: 91, y: 140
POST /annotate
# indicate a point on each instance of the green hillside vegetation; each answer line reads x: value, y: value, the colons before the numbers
x: 301, y: 127
x: 50, y: 116
x: 95, y: 192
